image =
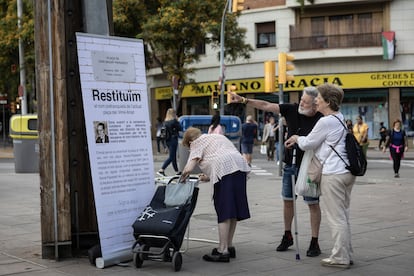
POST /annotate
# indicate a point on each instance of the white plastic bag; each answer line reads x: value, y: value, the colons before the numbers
x: 263, y: 149
x: 304, y: 186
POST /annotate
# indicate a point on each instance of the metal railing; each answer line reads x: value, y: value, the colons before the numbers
x: 335, y: 41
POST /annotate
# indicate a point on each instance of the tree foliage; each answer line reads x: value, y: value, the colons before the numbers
x: 172, y: 29
x: 9, y: 45
x: 302, y: 3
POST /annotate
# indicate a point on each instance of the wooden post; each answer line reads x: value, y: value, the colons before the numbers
x: 76, y: 226
x: 84, y: 223
x: 47, y: 192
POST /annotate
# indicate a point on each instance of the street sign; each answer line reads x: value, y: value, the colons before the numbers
x: 20, y: 90
x: 3, y: 99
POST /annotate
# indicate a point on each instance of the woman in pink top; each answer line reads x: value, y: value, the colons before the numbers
x: 226, y: 169
x: 215, y: 126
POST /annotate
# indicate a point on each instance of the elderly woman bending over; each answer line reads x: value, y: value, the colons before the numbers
x: 224, y: 166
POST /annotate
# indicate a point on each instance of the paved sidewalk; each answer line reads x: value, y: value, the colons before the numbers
x: 6, y: 152
x: 382, y: 220
x: 373, y: 153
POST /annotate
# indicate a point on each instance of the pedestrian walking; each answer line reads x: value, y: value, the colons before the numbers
x: 278, y: 128
x: 172, y: 128
x: 397, y: 142
x: 269, y: 138
x: 249, y: 134
x: 160, y: 140
x: 383, y: 135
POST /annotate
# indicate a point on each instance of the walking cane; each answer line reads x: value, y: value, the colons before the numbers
x: 294, y: 202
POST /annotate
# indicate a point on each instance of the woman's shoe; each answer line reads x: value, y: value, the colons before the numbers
x: 220, y: 258
x: 161, y: 173
x: 331, y: 263
x: 231, y: 249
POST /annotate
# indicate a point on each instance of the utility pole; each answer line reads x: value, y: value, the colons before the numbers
x: 22, y: 86
x: 233, y: 6
x: 68, y: 217
x: 283, y: 77
x: 222, y: 77
x: 174, y: 81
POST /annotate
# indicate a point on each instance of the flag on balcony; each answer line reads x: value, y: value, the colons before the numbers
x: 388, y: 45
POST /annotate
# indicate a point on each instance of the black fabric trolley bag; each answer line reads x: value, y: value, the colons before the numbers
x: 160, y: 228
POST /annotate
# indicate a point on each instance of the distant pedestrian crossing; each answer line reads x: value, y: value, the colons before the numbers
x: 259, y: 171
x: 407, y: 163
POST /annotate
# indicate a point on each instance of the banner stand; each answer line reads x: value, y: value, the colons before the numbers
x: 118, y: 130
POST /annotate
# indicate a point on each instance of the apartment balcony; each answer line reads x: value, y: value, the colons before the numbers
x: 343, y: 41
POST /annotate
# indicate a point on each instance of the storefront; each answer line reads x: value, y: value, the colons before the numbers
x: 407, y: 109
x: 376, y: 96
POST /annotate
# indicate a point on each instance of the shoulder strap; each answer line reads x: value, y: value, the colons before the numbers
x: 333, y: 147
x: 346, y: 129
x: 340, y: 121
x: 339, y: 140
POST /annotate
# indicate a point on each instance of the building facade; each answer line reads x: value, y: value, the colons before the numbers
x: 364, y: 46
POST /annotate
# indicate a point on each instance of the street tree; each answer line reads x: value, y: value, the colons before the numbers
x: 9, y: 46
x: 172, y: 31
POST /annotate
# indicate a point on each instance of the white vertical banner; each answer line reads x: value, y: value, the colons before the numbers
x: 117, y: 121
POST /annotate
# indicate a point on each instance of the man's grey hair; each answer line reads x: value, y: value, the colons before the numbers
x: 311, y: 91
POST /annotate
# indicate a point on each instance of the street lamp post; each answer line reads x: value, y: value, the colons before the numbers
x: 22, y: 87
x: 222, y: 77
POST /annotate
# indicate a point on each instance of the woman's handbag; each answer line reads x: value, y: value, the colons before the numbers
x: 263, y: 149
x: 304, y: 186
x: 315, y: 166
x: 315, y: 170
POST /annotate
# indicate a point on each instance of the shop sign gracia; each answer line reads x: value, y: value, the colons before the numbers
x: 256, y: 85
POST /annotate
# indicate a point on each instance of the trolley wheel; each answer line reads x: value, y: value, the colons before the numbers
x: 177, y: 261
x: 167, y: 255
x: 144, y: 248
x: 137, y: 259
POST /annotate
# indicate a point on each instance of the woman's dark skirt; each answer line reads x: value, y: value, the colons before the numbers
x: 230, y: 197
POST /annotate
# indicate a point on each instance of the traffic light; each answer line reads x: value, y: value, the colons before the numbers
x: 18, y: 103
x: 237, y: 5
x: 13, y: 107
x: 215, y: 99
x: 232, y: 89
x: 269, y: 76
x: 284, y: 66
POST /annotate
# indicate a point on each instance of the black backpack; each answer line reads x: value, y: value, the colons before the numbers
x: 165, y: 133
x: 357, y: 160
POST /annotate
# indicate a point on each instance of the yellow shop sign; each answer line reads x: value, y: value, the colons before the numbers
x: 256, y: 85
